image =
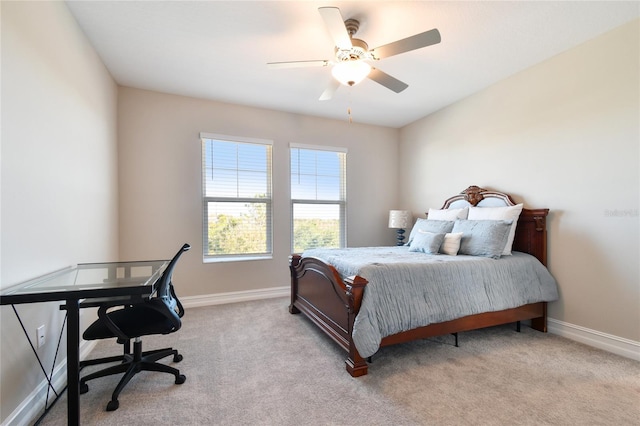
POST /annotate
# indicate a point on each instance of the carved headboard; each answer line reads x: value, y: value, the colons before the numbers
x: 531, y: 231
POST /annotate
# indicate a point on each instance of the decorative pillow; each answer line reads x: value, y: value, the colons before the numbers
x: 499, y: 213
x: 485, y: 238
x: 435, y: 226
x: 427, y: 242
x: 451, y: 243
x: 448, y: 214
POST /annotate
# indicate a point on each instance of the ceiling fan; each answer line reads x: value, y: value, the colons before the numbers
x: 349, y: 66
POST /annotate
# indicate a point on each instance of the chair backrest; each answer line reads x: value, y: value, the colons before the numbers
x: 165, y: 294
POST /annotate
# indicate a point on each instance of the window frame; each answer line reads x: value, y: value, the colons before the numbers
x: 268, y: 201
x: 342, y: 202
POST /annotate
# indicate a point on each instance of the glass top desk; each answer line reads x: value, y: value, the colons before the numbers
x: 81, y: 286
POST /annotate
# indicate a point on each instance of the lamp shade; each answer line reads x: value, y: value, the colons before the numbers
x: 399, y: 218
x: 351, y: 72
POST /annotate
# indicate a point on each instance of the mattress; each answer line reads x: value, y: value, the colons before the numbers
x: 408, y: 290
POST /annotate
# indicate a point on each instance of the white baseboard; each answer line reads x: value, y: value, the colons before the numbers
x: 608, y: 342
x: 33, y: 405
x: 234, y: 297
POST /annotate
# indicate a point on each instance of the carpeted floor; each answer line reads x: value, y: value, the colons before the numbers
x: 253, y: 363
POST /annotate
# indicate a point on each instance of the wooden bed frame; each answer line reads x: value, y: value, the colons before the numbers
x: 318, y: 291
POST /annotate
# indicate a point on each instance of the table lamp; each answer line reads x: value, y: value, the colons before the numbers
x: 399, y: 219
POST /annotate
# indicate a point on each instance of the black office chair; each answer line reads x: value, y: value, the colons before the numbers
x: 158, y: 315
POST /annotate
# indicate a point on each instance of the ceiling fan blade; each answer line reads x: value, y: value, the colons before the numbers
x: 335, y: 24
x: 414, y: 42
x: 330, y: 90
x: 298, y: 64
x: 387, y: 81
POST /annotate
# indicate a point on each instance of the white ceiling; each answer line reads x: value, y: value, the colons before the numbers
x: 218, y: 49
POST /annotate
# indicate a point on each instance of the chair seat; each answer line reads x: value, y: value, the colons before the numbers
x: 136, y: 321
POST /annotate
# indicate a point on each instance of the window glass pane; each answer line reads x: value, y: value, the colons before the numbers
x: 307, y: 161
x: 315, y: 225
x: 317, y: 175
x: 329, y: 188
x: 238, y: 170
x: 303, y: 187
x: 328, y: 163
x: 252, y: 184
x: 252, y: 157
x: 222, y: 183
x: 237, y: 228
x: 224, y: 155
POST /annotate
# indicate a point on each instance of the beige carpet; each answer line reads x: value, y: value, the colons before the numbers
x: 254, y: 363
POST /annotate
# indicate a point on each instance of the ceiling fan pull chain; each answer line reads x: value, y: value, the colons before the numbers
x: 349, y: 105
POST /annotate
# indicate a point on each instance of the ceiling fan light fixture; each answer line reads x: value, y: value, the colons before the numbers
x: 351, y: 72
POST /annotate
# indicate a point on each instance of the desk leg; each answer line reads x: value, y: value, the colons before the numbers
x: 73, y: 362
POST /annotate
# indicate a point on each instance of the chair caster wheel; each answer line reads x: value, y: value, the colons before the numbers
x: 181, y: 379
x: 113, y: 405
x: 177, y: 358
x: 84, y: 388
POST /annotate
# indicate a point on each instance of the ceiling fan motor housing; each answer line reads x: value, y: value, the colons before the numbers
x: 359, y: 50
x: 352, y: 26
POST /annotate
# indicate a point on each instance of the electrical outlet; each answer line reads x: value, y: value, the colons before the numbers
x: 40, y: 335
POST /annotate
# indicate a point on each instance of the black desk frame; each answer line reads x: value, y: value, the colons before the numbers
x: 134, y: 290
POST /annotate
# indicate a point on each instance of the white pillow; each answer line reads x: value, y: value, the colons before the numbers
x: 448, y: 214
x: 499, y: 213
x: 451, y: 243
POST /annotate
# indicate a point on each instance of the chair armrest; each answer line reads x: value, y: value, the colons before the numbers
x: 104, y: 317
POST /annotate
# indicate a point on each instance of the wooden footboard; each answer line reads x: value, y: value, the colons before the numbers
x: 331, y: 303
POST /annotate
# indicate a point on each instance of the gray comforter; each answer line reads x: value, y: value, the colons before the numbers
x: 407, y: 290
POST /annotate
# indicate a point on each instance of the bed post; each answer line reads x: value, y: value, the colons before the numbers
x: 294, y: 261
x: 531, y: 233
x: 540, y: 323
x: 356, y: 365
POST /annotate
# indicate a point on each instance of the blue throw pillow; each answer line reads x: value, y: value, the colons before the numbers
x: 485, y: 238
x: 435, y: 226
x: 426, y: 242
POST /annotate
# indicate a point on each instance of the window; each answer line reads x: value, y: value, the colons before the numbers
x: 236, y: 188
x: 318, y: 197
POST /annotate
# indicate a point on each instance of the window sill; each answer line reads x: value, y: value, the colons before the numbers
x: 224, y: 259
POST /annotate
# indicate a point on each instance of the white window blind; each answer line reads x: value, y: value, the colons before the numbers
x: 236, y: 197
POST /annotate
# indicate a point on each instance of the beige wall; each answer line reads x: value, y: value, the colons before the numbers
x: 59, y: 200
x: 160, y: 182
x: 562, y: 135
